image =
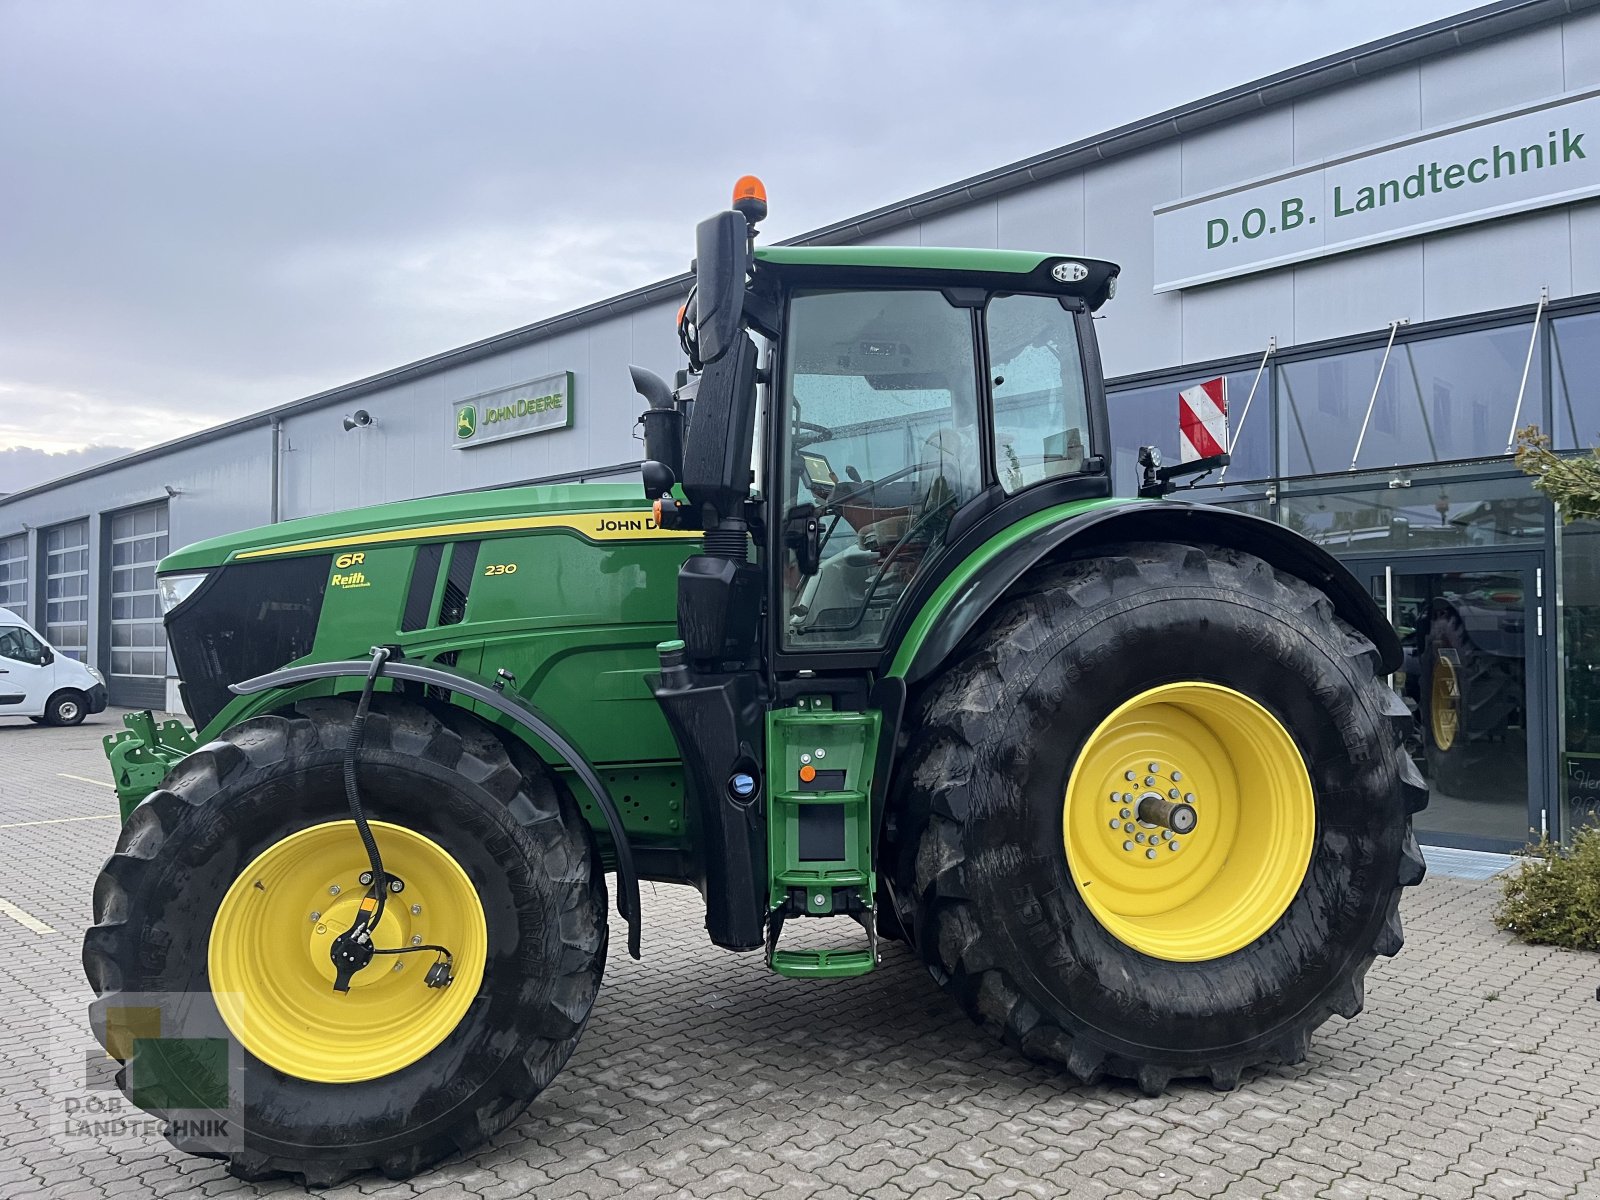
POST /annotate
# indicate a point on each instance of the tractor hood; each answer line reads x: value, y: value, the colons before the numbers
x: 585, y: 508
x: 433, y: 577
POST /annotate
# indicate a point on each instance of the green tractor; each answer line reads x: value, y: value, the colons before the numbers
x: 876, y: 646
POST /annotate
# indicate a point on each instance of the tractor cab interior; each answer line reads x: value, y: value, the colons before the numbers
x: 894, y: 423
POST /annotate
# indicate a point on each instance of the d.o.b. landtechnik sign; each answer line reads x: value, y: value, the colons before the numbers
x: 537, y: 406
x: 1528, y: 158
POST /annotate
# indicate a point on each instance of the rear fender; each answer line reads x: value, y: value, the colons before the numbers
x: 985, y: 577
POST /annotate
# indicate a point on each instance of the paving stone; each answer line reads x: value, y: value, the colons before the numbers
x: 703, y: 1075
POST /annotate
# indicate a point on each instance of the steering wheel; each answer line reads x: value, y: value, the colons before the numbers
x: 868, y: 487
x: 819, y: 433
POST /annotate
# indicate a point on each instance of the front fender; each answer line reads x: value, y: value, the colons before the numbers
x: 526, y: 719
x: 960, y: 602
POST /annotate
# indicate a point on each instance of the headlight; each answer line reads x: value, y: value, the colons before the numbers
x: 95, y: 675
x: 175, y: 589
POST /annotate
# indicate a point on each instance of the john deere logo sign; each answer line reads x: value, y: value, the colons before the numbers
x: 537, y: 406
x: 1528, y: 158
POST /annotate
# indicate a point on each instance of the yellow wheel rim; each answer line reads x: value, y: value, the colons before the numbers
x: 1189, y: 897
x: 1444, y: 707
x: 269, y: 954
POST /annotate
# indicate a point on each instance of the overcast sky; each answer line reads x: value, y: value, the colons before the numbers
x: 208, y: 208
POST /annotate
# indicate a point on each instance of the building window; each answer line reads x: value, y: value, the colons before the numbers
x: 138, y: 641
x: 66, y: 589
x: 1580, y: 673
x: 1442, y: 399
x: 1429, y: 514
x: 1148, y: 416
x: 1575, y: 380
x: 14, y: 574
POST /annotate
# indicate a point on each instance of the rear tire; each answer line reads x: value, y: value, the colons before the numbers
x: 497, y: 812
x: 1469, y: 698
x: 980, y: 867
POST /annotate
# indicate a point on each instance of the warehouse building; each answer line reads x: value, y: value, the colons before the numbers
x: 1388, y: 260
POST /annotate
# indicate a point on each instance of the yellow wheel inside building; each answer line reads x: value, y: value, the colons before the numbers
x: 273, y: 977
x: 1444, y: 708
x: 1189, y: 821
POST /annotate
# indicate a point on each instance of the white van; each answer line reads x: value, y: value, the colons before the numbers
x: 38, y: 681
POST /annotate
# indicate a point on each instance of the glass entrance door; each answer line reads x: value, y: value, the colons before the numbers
x: 1473, y: 677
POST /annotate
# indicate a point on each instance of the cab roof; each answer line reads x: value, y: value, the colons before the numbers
x: 1017, y: 270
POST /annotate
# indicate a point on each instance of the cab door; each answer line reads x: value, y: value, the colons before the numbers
x: 27, y: 672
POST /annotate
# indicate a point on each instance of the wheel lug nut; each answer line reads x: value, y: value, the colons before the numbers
x: 1127, y: 845
x: 366, y: 878
x: 416, y: 910
x: 316, y: 916
x: 1128, y: 828
x: 1115, y: 824
x: 1149, y: 853
x: 1126, y: 813
x: 1172, y: 793
x: 1129, y: 776
x: 1149, y: 781
x: 1138, y: 837
x: 416, y: 939
x: 1188, y: 797
x: 1115, y: 796
x: 1155, y: 768
x: 1172, y: 845
x: 333, y: 890
x: 1177, y: 777
x: 397, y: 966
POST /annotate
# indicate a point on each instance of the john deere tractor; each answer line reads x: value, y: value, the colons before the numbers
x: 876, y: 645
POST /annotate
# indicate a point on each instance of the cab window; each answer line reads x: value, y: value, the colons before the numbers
x: 1041, y: 404
x: 20, y: 646
x: 880, y: 389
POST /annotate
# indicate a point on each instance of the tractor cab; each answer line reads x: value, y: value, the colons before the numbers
x: 854, y: 423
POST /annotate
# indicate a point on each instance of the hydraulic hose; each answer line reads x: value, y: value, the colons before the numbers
x: 353, y: 950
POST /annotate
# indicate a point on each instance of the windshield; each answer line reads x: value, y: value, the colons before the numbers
x: 882, y: 440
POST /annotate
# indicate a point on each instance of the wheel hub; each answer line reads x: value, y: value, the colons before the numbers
x: 1188, y: 821
x: 273, y: 975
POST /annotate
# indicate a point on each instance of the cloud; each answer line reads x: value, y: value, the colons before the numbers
x: 214, y: 208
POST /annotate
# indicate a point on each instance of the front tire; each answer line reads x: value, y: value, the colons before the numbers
x: 66, y: 708
x: 220, y: 881
x: 1117, y: 958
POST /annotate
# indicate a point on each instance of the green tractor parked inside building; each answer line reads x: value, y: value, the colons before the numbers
x: 878, y: 646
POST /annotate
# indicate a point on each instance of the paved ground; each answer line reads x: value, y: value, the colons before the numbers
x: 1471, y: 1074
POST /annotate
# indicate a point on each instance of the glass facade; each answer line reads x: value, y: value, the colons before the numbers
x: 14, y: 574
x: 66, y: 588
x: 1399, y: 466
x: 1579, y: 676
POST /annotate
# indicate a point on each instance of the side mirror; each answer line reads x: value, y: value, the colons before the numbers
x: 46, y: 657
x: 722, y: 258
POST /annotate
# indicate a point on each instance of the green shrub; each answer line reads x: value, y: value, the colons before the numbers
x: 1553, y: 899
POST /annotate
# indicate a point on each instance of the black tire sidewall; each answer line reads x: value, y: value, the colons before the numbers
x: 259, y: 807
x: 53, y: 709
x: 1017, y: 874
